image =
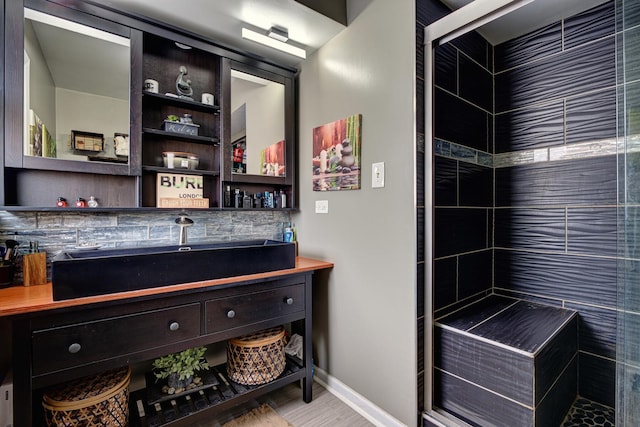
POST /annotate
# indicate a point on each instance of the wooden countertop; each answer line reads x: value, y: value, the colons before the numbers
x: 28, y: 299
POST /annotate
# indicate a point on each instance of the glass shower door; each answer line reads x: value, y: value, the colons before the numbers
x: 628, y: 351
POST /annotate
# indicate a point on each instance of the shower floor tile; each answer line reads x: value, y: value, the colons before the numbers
x: 587, y: 413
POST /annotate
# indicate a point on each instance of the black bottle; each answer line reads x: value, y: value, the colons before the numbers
x: 276, y: 200
x: 227, y: 197
x: 257, y: 200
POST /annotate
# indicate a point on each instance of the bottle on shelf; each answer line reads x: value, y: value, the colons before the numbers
x: 283, y: 199
x: 276, y: 200
x: 227, y: 197
x: 92, y: 203
x: 247, y: 203
x: 257, y: 200
x: 237, y: 200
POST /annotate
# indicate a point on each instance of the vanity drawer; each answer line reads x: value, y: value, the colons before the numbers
x: 73, y: 345
x: 236, y: 311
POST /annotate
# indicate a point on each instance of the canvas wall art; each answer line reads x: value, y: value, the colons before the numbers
x: 336, y: 155
x: 272, y: 161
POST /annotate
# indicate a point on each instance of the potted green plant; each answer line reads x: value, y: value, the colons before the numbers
x: 179, y: 368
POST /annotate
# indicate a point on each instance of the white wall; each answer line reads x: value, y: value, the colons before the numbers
x: 42, y: 89
x: 265, y: 113
x: 90, y: 113
x: 264, y: 117
x: 365, y: 317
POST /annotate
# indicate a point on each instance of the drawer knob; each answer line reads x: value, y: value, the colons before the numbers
x: 288, y: 300
x: 231, y: 314
x: 74, y: 348
x: 174, y: 326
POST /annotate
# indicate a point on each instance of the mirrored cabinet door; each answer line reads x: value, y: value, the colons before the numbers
x: 70, y: 130
x: 258, y: 131
x: 257, y: 125
x: 76, y: 91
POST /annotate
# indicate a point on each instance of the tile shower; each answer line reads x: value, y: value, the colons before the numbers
x: 528, y: 186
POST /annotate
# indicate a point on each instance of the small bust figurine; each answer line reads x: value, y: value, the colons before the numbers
x: 121, y: 145
x: 183, y: 85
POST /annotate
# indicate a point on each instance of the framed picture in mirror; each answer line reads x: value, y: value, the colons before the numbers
x: 272, y: 160
x: 87, y: 141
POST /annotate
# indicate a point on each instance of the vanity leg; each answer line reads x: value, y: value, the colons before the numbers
x: 307, y: 381
x: 22, y: 390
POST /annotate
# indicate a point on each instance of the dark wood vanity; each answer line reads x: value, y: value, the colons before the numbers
x: 55, y: 341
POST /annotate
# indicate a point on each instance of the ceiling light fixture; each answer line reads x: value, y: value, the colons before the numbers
x: 272, y: 42
x: 279, y: 33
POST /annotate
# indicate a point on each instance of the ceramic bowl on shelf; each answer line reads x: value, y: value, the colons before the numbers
x: 179, y: 160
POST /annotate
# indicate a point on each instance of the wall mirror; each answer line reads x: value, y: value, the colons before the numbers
x: 76, y: 91
x: 257, y: 126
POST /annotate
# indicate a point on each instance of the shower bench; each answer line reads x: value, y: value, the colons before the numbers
x: 506, y: 362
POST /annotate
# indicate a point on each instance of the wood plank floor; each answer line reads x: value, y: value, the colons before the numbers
x: 325, y: 410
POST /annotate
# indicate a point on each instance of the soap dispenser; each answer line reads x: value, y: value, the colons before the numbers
x: 288, y: 233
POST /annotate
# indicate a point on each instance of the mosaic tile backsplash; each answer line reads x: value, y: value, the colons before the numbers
x: 55, y: 231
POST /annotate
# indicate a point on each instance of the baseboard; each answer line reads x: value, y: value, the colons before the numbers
x: 442, y: 419
x: 373, y: 413
x: 431, y: 422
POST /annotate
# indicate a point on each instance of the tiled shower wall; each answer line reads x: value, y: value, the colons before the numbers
x: 532, y: 210
x: 55, y: 231
x: 556, y: 196
x: 463, y: 193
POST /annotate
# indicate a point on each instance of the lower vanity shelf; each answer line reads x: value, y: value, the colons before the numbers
x: 218, y: 393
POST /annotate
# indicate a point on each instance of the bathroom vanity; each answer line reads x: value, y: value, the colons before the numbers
x: 55, y: 341
x: 145, y: 75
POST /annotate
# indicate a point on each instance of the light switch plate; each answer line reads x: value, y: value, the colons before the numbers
x: 322, y: 206
x: 377, y: 175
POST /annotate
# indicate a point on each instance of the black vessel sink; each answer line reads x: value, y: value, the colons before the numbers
x: 76, y: 274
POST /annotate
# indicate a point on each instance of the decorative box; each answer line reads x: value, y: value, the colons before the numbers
x: 179, y: 160
x: 184, y: 128
x: 172, y: 186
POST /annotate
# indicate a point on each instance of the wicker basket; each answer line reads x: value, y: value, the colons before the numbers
x: 98, y: 401
x: 256, y: 358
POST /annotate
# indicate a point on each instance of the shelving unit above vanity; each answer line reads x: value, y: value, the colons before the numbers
x: 166, y: 62
x: 128, y: 179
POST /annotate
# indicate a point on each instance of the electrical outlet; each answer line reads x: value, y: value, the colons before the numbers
x: 377, y: 175
x: 322, y: 206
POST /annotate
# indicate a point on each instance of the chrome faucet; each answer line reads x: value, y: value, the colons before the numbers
x: 183, y: 222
